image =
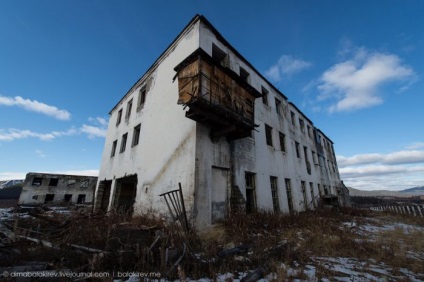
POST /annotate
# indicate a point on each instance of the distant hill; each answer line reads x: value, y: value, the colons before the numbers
x: 9, y: 183
x: 416, y: 191
x: 11, y: 192
x: 419, y: 189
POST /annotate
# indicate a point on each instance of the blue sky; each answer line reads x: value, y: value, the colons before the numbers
x: 353, y: 67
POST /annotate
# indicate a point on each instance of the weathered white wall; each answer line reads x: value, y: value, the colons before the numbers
x: 176, y: 149
x: 67, y: 184
x: 165, y: 154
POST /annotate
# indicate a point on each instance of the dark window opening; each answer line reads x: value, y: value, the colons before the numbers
x: 114, y: 144
x: 123, y: 143
x: 81, y: 199
x: 297, y: 150
x: 250, y: 192
x: 49, y: 198
x: 136, y: 136
x: 118, y: 119
x: 277, y: 106
x: 37, y: 181
x: 67, y: 198
x: 53, y: 181
x: 274, y: 193
x: 282, y: 142
x: 129, y: 108
x: 268, y: 135
x: 244, y: 75
x: 289, y: 194
x: 292, y: 118
x: 35, y: 197
x: 141, y: 98
x: 264, y: 96
x: 219, y: 55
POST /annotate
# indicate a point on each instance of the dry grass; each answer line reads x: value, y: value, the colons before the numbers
x: 266, y: 240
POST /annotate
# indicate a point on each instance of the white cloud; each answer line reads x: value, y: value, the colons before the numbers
x: 415, y: 145
x: 395, y: 170
x: 13, y: 134
x: 400, y: 157
x: 93, y: 131
x: 287, y: 65
x: 35, y: 106
x: 355, y: 82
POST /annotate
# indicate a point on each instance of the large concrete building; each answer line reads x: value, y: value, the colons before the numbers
x: 204, y: 117
x: 45, y: 188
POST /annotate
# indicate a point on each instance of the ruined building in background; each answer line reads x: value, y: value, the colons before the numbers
x: 43, y: 188
x: 204, y: 117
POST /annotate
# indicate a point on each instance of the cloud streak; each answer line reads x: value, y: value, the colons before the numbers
x: 14, y: 134
x: 355, y: 83
x: 35, y: 106
x: 287, y: 65
x: 395, y: 170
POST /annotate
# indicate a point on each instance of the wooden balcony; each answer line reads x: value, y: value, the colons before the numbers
x: 216, y: 96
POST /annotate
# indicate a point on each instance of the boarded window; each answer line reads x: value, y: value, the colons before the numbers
x: 84, y: 183
x: 36, y: 181
x: 71, y: 182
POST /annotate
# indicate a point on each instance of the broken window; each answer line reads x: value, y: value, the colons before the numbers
x: 282, y: 142
x: 264, y: 96
x: 136, y: 135
x: 67, y: 198
x: 274, y: 193
x: 302, y: 125
x: 220, y: 56
x: 84, y: 183
x: 289, y: 194
x: 277, y: 106
x: 35, y: 197
x: 53, y: 181
x: 71, y: 182
x: 309, y: 130
x: 49, y: 198
x: 114, y: 144
x: 308, y: 164
x: 292, y: 115
x: 250, y: 192
x: 123, y: 143
x: 268, y: 135
x: 244, y: 75
x: 118, y: 119
x: 36, y: 181
x: 297, y: 149
x: 141, y: 98
x: 81, y: 199
x: 129, y: 108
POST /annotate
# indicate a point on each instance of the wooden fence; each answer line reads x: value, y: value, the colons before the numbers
x: 416, y: 210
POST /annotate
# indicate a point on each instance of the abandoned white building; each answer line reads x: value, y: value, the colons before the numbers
x: 204, y: 117
x: 42, y: 188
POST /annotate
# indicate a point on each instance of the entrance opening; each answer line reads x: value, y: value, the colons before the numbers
x: 68, y: 198
x: 103, y: 195
x: 49, y: 198
x: 125, y: 193
x: 81, y: 199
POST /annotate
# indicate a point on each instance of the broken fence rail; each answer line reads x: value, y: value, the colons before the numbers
x: 417, y: 210
x: 175, y: 201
